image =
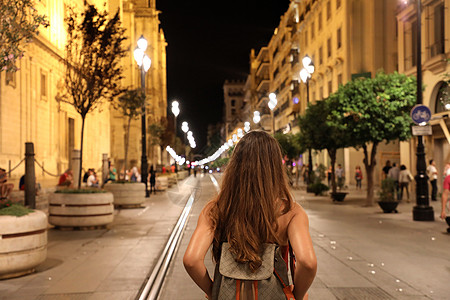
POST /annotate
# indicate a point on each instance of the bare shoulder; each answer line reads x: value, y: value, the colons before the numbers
x: 297, y: 214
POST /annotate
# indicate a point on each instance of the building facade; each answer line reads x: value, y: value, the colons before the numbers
x: 435, y: 51
x: 31, y: 109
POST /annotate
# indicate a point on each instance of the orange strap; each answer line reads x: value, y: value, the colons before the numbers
x: 286, y: 289
x: 255, y: 284
x: 238, y: 289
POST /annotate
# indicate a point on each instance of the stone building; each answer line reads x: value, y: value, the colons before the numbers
x: 233, y: 94
x: 30, y: 105
x: 435, y: 50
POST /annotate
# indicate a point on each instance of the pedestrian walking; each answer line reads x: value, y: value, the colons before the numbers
x: 358, y: 177
x: 386, y: 169
x: 340, y: 176
x: 263, y: 216
x: 444, y: 198
x: 394, y: 173
x: 432, y: 176
x: 329, y: 175
x: 152, y: 176
x: 404, y: 178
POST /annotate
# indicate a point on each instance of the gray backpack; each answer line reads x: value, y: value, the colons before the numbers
x: 233, y: 280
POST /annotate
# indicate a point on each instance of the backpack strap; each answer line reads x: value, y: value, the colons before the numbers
x: 238, y: 289
x: 286, y: 288
x: 255, y: 285
x: 291, y: 261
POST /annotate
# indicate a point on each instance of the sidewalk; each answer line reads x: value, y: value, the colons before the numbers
x: 104, y: 264
x: 366, y: 254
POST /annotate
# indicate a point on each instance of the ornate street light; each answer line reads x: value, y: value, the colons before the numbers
x: 144, y: 62
x: 176, y: 112
x: 256, y: 117
x: 272, y: 104
x: 305, y: 76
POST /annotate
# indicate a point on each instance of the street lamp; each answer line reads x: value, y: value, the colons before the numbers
x: 305, y: 76
x: 144, y: 62
x: 256, y: 117
x: 176, y: 112
x: 272, y: 103
x: 422, y: 211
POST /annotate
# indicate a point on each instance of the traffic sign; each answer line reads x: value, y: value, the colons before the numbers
x: 420, y: 114
x: 422, y: 130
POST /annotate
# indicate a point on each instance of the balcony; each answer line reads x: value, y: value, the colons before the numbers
x: 263, y: 84
x: 263, y: 68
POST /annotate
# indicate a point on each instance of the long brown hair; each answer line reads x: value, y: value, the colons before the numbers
x: 246, y: 210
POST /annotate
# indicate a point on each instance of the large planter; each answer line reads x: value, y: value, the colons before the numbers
x: 172, y: 179
x: 127, y: 194
x: 23, y: 243
x: 388, y: 206
x: 161, y: 183
x: 338, y: 196
x: 81, y: 210
x: 182, y: 174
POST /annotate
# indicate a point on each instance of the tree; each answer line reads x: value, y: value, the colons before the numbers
x: 290, y: 145
x: 19, y: 22
x: 318, y: 131
x: 130, y: 103
x: 94, y: 51
x: 375, y: 110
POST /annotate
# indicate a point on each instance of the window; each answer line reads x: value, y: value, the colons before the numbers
x: 339, y: 79
x: 410, y: 49
x: 339, y: 38
x: 233, y: 103
x: 233, y: 111
x: 321, y: 93
x: 328, y: 10
x: 329, y: 47
x: 306, y: 38
x: 10, y: 79
x: 437, y: 45
x: 44, y: 89
x: 442, y: 96
x: 330, y: 87
x: 338, y: 4
x: 320, y: 21
x: 312, y: 31
x: 320, y: 56
x: 313, y: 97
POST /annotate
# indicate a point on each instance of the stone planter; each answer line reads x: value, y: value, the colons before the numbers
x: 23, y: 243
x: 388, y: 206
x: 127, y: 194
x: 162, y: 183
x: 172, y: 179
x: 182, y: 174
x: 81, y: 210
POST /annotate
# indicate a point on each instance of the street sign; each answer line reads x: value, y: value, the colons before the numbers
x: 420, y: 114
x: 422, y: 130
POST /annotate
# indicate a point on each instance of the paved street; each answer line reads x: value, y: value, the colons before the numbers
x: 362, y: 253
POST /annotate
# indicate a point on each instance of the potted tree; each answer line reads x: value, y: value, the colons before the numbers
x: 94, y: 50
x: 388, y: 196
x: 313, y: 124
x: 317, y: 187
x: 128, y: 193
x: 374, y: 110
x: 23, y: 232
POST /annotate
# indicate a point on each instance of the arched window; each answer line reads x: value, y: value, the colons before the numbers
x: 233, y: 103
x: 442, y: 98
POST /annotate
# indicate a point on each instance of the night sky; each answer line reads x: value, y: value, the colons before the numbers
x: 209, y: 42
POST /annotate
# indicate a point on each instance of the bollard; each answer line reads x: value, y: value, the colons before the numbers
x: 105, y: 167
x: 76, y: 166
x: 30, y: 177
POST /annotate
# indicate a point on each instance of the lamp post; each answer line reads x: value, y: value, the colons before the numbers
x: 422, y: 211
x: 272, y: 103
x: 305, y: 76
x: 176, y: 112
x: 144, y: 62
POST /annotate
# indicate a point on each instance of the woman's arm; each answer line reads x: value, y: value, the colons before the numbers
x: 196, y: 251
x: 306, y: 261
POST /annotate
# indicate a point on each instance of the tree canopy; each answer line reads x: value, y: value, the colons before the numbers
x: 19, y: 22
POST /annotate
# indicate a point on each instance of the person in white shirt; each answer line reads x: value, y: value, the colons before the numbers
x: 432, y: 175
x: 404, y: 178
x: 92, y: 180
x: 394, y: 173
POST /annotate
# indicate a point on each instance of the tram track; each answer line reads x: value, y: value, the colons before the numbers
x: 151, y: 287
